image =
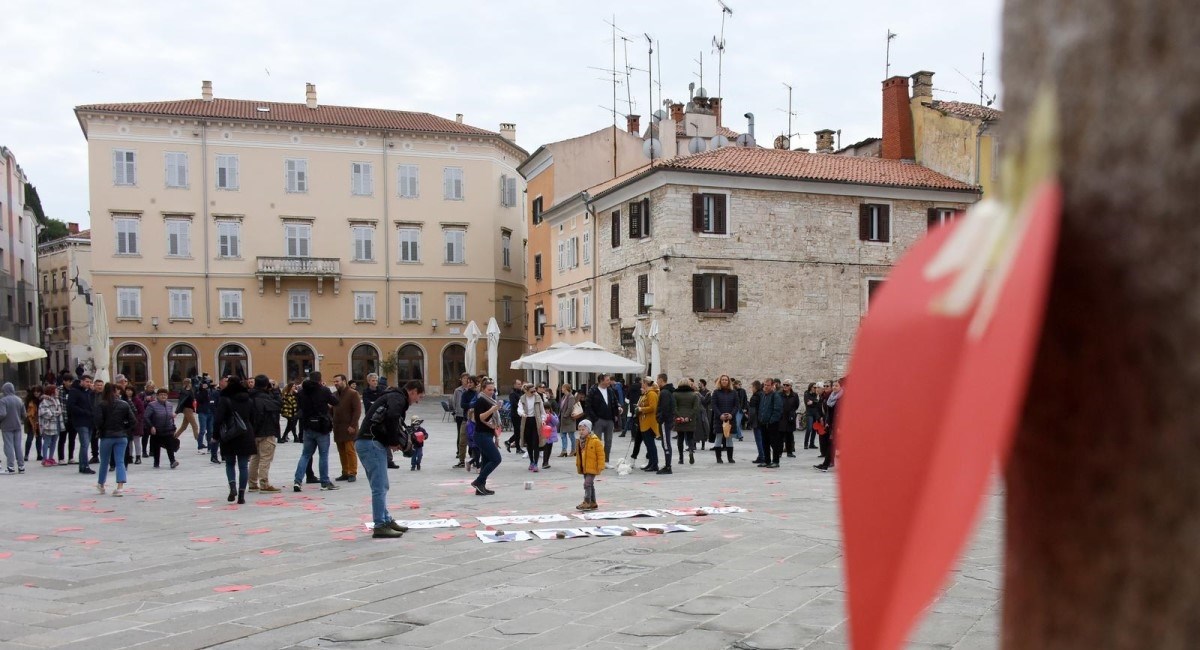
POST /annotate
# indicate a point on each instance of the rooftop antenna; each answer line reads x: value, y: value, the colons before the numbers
x: 701, y: 62
x: 719, y: 44
x: 984, y: 99
x: 650, y: 80
x: 613, y: 25
x: 790, y: 113
x: 628, y: 88
x: 887, y: 69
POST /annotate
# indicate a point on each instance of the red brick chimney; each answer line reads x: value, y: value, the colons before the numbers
x: 634, y: 123
x: 714, y: 103
x: 677, y: 113
x: 898, y: 143
x: 72, y: 228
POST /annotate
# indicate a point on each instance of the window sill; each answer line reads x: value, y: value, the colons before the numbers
x: 362, y: 196
x: 876, y: 242
x: 614, y: 321
x: 586, y: 328
x: 403, y: 196
x: 714, y: 235
x: 409, y: 321
x: 456, y: 322
x: 715, y: 314
x: 300, y: 320
x: 137, y: 255
x: 231, y: 320
x: 129, y: 319
x: 454, y: 263
x: 180, y: 320
x: 227, y: 189
x: 408, y: 262
x: 178, y: 257
x: 452, y: 198
x: 230, y: 259
x: 363, y: 262
x: 177, y: 187
x: 367, y: 321
x: 296, y: 191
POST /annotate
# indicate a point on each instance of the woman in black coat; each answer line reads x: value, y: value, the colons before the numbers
x: 237, y: 443
x: 787, y: 426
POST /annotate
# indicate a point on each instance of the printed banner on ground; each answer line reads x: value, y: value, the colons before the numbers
x: 618, y: 514
x: 552, y: 533
x: 666, y: 528
x: 489, y: 537
x: 708, y: 510
x: 521, y: 519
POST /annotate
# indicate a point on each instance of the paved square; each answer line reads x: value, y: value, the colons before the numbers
x: 82, y: 570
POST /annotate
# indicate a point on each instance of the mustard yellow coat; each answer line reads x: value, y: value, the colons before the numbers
x: 589, y: 456
x: 648, y: 411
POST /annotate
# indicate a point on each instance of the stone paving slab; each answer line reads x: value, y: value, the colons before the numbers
x: 92, y: 571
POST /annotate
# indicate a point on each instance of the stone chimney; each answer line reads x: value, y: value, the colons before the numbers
x: 714, y: 103
x: 206, y: 91
x: 677, y: 113
x: 825, y: 140
x: 898, y: 142
x: 922, y: 85
x: 508, y: 131
x: 310, y: 95
x: 458, y: 117
x: 634, y: 123
x: 72, y: 228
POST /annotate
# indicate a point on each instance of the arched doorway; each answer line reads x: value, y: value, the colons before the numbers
x: 454, y: 364
x: 182, y: 363
x: 364, y: 360
x: 133, y: 362
x: 301, y: 360
x: 233, y: 360
x: 410, y: 364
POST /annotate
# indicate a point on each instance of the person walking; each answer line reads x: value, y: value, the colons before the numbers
x: 590, y: 463
x: 50, y: 424
x: 267, y: 406
x: 186, y: 406
x: 460, y: 431
x: 603, y: 408
x: 149, y: 395
x: 380, y: 431
x: 288, y: 411
x: 234, y: 424
x: 487, y: 435
x: 570, y: 412
x: 134, y: 451
x: 312, y: 403
x: 531, y: 411
x: 687, y: 415
x: 205, y: 398
x: 787, y: 421
x: 514, y: 397
x: 82, y: 414
x: 648, y: 423
x: 33, y: 396
x: 725, y: 409
x: 12, y: 414
x: 346, y: 416
x: 113, y: 419
x: 666, y: 418
x: 160, y: 424
x: 770, y: 410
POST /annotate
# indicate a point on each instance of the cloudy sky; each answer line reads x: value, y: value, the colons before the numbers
x: 531, y: 62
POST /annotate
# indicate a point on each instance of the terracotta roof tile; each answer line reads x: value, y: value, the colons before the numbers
x: 970, y: 111
x: 681, y: 131
x: 324, y: 115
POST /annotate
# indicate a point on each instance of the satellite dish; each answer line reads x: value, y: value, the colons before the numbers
x: 720, y: 141
x: 783, y: 142
x: 697, y: 145
x: 659, y: 115
x: 701, y: 93
x: 744, y: 140
x: 652, y: 148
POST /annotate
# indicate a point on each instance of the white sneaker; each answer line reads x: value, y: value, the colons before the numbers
x: 117, y: 493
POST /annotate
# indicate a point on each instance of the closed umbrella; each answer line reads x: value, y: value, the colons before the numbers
x: 493, y: 347
x: 473, y: 335
x: 655, y: 350
x: 17, y: 352
x: 639, y: 345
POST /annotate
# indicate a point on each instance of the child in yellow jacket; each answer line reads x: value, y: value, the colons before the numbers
x: 589, y: 461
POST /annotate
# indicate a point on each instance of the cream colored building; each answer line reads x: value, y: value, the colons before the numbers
x: 64, y: 267
x: 18, y: 270
x: 236, y: 236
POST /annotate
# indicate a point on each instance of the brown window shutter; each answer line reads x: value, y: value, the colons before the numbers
x: 731, y: 294
x: 720, y: 222
x: 885, y: 223
x: 931, y: 218
x: 643, y: 287
x: 614, y: 302
x: 698, y: 292
x: 616, y: 228
x: 864, y: 222
x: 646, y: 217
x: 697, y: 212
x: 635, y: 220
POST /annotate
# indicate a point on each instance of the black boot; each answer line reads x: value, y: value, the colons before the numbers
x: 729, y: 453
x: 718, y: 452
x: 241, y: 496
x: 233, y: 492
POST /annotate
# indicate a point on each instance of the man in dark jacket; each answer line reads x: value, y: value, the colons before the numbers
x: 80, y: 401
x: 205, y: 397
x: 603, y: 407
x: 666, y: 418
x: 787, y: 422
x: 514, y: 397
x: 316, y: 423
x: 373, y: 440
x: 770, y: 411
x: 267, y: 406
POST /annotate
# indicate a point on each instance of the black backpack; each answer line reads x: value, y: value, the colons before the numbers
x: 393, y: 433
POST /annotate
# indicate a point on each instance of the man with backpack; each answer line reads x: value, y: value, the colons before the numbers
x: 384, y: 429
x: 316, y: 423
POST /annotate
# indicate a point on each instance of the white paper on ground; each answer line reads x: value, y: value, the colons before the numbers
x: 666, y: 528
x: 552, y: 533
x: 603, y: 531
x: 687, y: 512
x: 618, y: 514
x: 489, y: 537
x: 429, y: 523
x: 521, y: 519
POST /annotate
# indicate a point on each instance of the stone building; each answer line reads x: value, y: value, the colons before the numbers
x: 65, y: 267
x: 18, y: 270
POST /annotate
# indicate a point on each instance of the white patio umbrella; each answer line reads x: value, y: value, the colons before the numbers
x: 655, y: 350
x: 17, y: 352
x: 639, y: 345
x: 101, y: 345
x: 472, y: 357
x: 493, y: 347
x: 529, y: 361
x: 589, y: 357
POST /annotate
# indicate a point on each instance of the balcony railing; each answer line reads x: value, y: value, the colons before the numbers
x: 300, y: 267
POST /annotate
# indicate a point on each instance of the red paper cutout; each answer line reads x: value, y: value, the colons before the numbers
x: 270, y: 551
x: 26, y: 538
x: 5, y: 555
x: 206, y: 540
x: 231, y: 588
x: 258, y: 531
x: 68, y: 529
x: 29, y: 505
x: 445, y: 515
x: 912, y: 477
x: 88, y: 542
x: 112, y: 520
x: 444, y: 536
x: 345, y: 538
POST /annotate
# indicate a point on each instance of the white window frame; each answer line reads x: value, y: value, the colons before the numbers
x: 572, y: 313
x: 129, y: 230
x: 410, y: 307
x: 408, y: 181
x: 364, y: 306
x: 714, y: 292
x: 508, y: 190
x: 180, y: 232
x: 453, y: 238
x: 587, y: 247
x: 456, y: 308
x: 177, y: 169
x: 867, y: 282
x: 229, y: 239
x: 562, y: 255
x: 124, y: 167
x: 301, y: 235
x: 560, y: 323
x: 362, y: 240
x: 227, y: 163
x: 410, y: 245
x: 506, y: 250
x: 299, y: 306
x: 453, y: 185
x: 295, y: 175
x: 129, y: 303
x: 586, y: 309
x: 507, y: 310
x: 362, y: 179
x: 179, y: 304
x: 231, y: 305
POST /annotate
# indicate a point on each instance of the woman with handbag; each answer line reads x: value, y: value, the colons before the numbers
x: 113, y: 420
x: 725, y: 407
x: 687, y: 414
x: 571, y: 412
x: 487, y: 435
x: 233, y: 425
x: 50, y: 423
x: 531, y: 411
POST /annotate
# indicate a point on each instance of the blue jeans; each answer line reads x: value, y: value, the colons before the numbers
x: 737, y: 431
x: 417, y: 454
x: 758, y: 442
x: 319, y: 442
x: 489, y: 454
x: 243, y: 466
x: 49, y: 444
x: 112, y: 450
x: 85, y: 446
x: 372, y: 456
x: 206, y: 441
x: 568, y: 441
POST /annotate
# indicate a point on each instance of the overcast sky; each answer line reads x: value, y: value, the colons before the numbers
x: 523, y: 61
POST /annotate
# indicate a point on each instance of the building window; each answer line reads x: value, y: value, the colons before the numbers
x: 410, y: 307
x: 560, y: 323
x: 568, y: 253
x: 46, y: 283
x: 177, y: 169
x: 616, y: 228
x: 229, y: 239
x: 506, y: 304
x: 586, y: 318
x: 587, y: 247
x: 941, y: 216
x: 407, y: 179
x: 455, y: 245
x: 364, y: 307
x: 410, y: 244
x: 537, y: 210
x: 539, y: 321
x: 537, y: 267
x: 874, y: 222
x: 298, y: 239
x: 643, y: 288
x: 364, y: 360
x: 124, y: 167
x: 127, y: 235
x: 182, y: 363
x: 65, y: 286
x: 452, y: 183
x: 233, y: 361
x: 364, y: 243
x: 639, y: 219
x: 178, y: 238
x: 410, y: 364
x: 298, y: 302
x: 614, y: 301
x: 227, y: 172
x: 714, y: 293
x: 506, y: 249
x: 508, y: 190
x: 180, y: 301
x: 362, y: 179
x: 456, y: 308
x: 873, y: 287
x: 129, y: 303
x: 296, y: 172
x: 709, y: 214
x: 231, y: 304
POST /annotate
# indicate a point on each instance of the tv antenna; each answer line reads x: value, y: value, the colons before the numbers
x: 887, y: 68
x: 984, y: 98
x: 650, y: 84
x: 701, y: 75
x: 628, y: 70
x: 719, y: 44
x: 790, y: 113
